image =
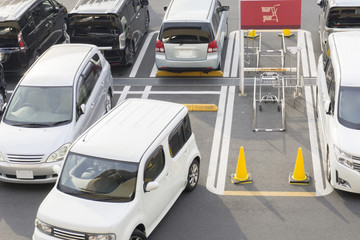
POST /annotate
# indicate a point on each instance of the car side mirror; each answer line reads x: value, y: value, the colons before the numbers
x: 320, y: 3
x: 56, y: 169
x: 81, y: 110
x: 144, y: 2
x: 327, y: 106
x: 223, y: 8
x: 165, y: 8
x: 151, y: 186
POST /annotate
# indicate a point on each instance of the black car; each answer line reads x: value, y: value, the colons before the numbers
x: 2, y: 88
x: 27, y: 29
x: 117, y: 27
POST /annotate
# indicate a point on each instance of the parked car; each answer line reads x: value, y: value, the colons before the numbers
x: 128, y: 169
x: 64, y: 92
x: 338, y: 103
x: 27, y: 29
x: 2, y: 88
x: 116, y: 26
x: 192, y: 36
x: 338, y: 15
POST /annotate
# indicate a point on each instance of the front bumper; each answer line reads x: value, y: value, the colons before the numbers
x: 38, y: 173
x: 344, y: 178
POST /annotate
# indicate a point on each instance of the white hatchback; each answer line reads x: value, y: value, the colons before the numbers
x: 122, y: 175
x: 66, y: 90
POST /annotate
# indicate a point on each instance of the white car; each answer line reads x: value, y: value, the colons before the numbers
x: 122, y: 175
x: 192, y: 36
x: 338, y: 104
x: 66, y: 90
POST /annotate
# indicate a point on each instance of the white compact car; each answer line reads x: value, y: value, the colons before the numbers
x: 122, y: 176
x: 192, y: 36
x: 66, y: 90
x: 338, y: 104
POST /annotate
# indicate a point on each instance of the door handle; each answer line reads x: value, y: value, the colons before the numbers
x: 92, y: 105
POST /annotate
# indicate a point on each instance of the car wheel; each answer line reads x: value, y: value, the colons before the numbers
x: 137, y: 235
x: 193, y: 175
x: 2, y: 100
x: 147, y: 22
x: 131, y: 53
x: 328, y: 167
x: 108, y: 102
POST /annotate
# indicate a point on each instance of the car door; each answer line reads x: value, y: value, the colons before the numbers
x: 156, y: 202
x: 134, y: 23
x: 40, y: 32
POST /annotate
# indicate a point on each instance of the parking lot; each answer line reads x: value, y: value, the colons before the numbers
x: 269, y: 207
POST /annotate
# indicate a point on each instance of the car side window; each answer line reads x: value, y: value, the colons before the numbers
x: 154, y: 165
x: 28, y: 23
x: 137, y: 4
x: 42, y: 11
x: 187, y: 128
x: 176, y: 140
x: 215, y: 22
x: 130, y: 8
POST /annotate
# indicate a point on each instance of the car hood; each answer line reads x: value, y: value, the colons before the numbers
x: 35, y: 141
x: 347, y: 140
x: 78, y: 214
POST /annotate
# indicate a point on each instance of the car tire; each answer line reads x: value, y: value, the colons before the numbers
x: 137, y: 235
x: 193, y: 175
x: 108, y: 102
x: 131, y: 50
x: 2, y: 100
x: 147, y: 22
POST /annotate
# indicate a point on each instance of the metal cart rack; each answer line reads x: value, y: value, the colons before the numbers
x: 275, y: 80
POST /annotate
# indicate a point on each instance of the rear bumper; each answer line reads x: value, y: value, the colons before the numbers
x: 211, y: 63
x: 13, y: 60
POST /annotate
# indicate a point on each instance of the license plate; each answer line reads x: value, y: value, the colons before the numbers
x: 24, y: 174
x: 186, y: 53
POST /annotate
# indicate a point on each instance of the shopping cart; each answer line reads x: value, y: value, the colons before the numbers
x: 273, y: 11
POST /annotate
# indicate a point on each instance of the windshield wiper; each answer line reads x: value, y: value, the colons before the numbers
x: 59, y: 122
x: 30, y: 125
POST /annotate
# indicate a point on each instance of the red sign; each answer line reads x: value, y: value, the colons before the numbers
x: 267, y: 14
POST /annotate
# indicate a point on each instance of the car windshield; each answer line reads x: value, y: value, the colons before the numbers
x: 349, y: 107
x: 347, y: 17
x: 190, y: 33
x: 40, y: 107
x: 98, y: 179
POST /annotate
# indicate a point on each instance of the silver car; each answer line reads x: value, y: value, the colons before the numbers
x: 66, y: 90
x: 192, y: 36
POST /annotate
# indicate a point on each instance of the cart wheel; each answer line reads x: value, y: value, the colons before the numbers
x: 278, y: 108
x: 260, y: 108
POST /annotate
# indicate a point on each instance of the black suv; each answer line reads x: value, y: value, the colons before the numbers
x: 117, y: 27
x: 27, y: 29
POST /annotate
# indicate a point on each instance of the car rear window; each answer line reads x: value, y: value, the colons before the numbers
x: 344, y: 17
x: 8, y: 37
x: 94, y: 24
x: 186, y: 33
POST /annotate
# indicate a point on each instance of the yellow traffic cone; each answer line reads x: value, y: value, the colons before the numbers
x: 299, y: 176
x: 241, y: 176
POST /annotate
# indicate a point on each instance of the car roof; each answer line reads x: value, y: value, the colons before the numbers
x: 343, y: 3
x: 129, y: 130
x: 97, y: 6
x: 11, y: 10
x: 189, y: 10
x: 57, y: 66
x: 347, y: 49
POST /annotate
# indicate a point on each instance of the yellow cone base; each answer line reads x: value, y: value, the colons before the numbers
x: 299, y: 182
x: 234, y: 180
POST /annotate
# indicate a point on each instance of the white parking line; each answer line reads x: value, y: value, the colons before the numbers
x: 214, y: 155
x: 146, y: 92
x: 304, y: 60
x: 123, y: 93
x: 127, y: 92
x: 314, y: 147
x: 228, y: 55
x: 139, y: 59
x: 225, y: 146
x: 153, y: 71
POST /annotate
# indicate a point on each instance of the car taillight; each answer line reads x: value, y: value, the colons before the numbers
x: 21, y: 42
x: 212, y: 47
x: 159, y: 46
x: 122, y: 41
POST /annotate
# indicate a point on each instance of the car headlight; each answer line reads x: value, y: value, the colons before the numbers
x: 2, y: 159
x: 343, y: 158
x: 101, y: 237
x: 43, y: 227
x: 59, y: 154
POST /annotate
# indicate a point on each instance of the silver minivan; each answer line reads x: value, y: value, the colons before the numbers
x: 192, y: 36
x: 338, y: 15
x: 66, y: 90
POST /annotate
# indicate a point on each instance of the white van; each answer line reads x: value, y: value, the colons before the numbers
x: 338, y: 104
x: 338, y: 15
x: 192, y: 36
x: 122, y: 176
